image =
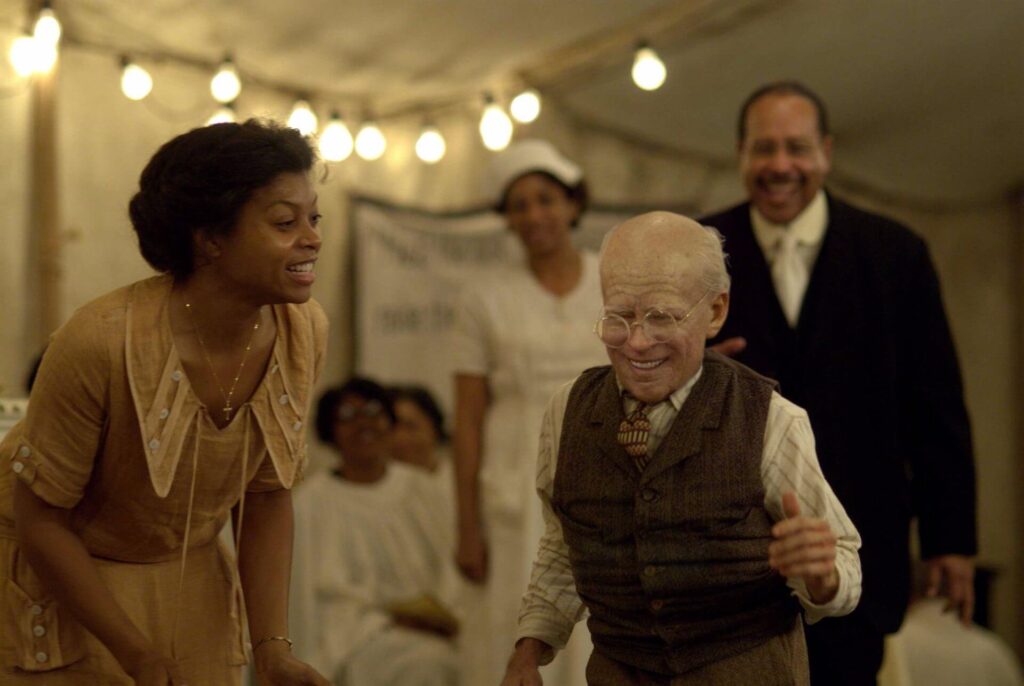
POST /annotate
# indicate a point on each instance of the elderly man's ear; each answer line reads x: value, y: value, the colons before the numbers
x: 719, y: 311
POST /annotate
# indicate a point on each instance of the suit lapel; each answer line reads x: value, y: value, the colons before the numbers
x: 834, y: 273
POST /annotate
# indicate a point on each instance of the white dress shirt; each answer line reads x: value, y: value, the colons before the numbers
x: 806, y: 233
x: 551, y: 605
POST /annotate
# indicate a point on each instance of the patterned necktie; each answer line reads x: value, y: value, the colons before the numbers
x: 789, y: 274
x: 633, y: 433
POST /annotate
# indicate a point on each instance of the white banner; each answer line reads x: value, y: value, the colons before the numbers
x: 409, y: 267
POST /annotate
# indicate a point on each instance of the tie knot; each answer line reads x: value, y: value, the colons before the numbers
x: 787, y: 240
x: 633, y: 433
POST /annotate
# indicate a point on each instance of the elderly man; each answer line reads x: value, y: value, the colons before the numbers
x: 683, y: 501
x: 842, y: 307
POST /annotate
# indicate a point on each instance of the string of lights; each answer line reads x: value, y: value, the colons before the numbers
x: 37, y: 53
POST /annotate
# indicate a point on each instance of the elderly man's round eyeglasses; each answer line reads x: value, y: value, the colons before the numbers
x: 658, y: 326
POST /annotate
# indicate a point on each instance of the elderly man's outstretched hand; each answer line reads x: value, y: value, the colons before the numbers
x: 805, y: 547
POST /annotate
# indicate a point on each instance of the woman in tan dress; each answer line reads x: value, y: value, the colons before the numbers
x: 160, y: 409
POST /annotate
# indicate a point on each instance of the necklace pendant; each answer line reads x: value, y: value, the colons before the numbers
x: 227, y: 413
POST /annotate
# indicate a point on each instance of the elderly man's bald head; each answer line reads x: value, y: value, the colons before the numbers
x: 660, y: 244
x: 668, y: 265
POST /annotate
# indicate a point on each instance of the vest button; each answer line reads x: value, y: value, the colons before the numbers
x: 657, y: 604
x: 650, y: 570
x: 649, y: 495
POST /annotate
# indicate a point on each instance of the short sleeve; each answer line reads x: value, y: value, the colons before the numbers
x: 470, y: 343
x: 55, y: 447
x: 266, y: 478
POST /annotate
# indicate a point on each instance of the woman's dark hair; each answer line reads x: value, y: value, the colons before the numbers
x: 579, y: 193
x: 421, y: 398
x: 330, y: 401
x: 202, y: 179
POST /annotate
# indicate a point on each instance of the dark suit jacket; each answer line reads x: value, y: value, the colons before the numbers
x: 872, y: 361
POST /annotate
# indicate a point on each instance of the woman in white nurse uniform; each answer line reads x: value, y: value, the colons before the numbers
x: 522, y: 332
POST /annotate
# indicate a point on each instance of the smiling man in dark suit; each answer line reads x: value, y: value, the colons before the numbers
x: 843, y: 308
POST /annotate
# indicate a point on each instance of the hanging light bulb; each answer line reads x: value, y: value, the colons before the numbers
x: 370, y: 141
x: 430, y: 146
x: 44, y: 56
x: 648, y: 69
x: 495, y: 126
x: 23, y: 55
x: 47, y: 29
x: 303, y: 118
x: 525, y: 107
x: 225, y: 84
x: 136, y: 83
x: 336, y: 141
x: 225, y: 114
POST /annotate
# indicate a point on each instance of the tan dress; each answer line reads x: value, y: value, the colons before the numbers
x: 115, y: 434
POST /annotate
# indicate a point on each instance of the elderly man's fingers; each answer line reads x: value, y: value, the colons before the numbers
x: 790, y: 505
x: 796, y: 525
x: 805, y: 538
x: 792, y: 527
x: 811, y: 553
x: 808, y: 568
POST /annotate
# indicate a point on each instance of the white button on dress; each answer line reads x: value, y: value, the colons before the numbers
x: 18, y: 467
x: 39, y: 630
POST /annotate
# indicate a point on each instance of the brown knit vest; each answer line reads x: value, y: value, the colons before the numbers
x: 672, y: 563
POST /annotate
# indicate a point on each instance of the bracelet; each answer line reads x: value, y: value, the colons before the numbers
x: 268, y: 639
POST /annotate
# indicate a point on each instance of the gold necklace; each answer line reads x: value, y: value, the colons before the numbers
x: 202, y: 346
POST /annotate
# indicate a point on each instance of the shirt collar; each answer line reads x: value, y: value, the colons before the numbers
x: 808, y: 226
x: 677, y: 398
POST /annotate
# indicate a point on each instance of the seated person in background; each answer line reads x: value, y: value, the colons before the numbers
x: 419, y: 430
x: 933, y: 648
x: 374, y: 576
x: 419, y: 439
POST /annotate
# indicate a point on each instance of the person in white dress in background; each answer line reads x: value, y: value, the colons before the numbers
x: 521, y: 333
x: 374, y: 587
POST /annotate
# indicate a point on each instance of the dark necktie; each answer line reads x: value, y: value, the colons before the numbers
x: 633, y: 433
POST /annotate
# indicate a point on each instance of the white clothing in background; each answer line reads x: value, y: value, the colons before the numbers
x: 934, y: 649
x: 359, y: 548
x: 528, y: 343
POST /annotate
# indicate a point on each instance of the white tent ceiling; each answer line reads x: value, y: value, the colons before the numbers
x: 927, y: 96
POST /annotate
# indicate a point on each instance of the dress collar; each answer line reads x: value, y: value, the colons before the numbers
x: 166, y: 406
